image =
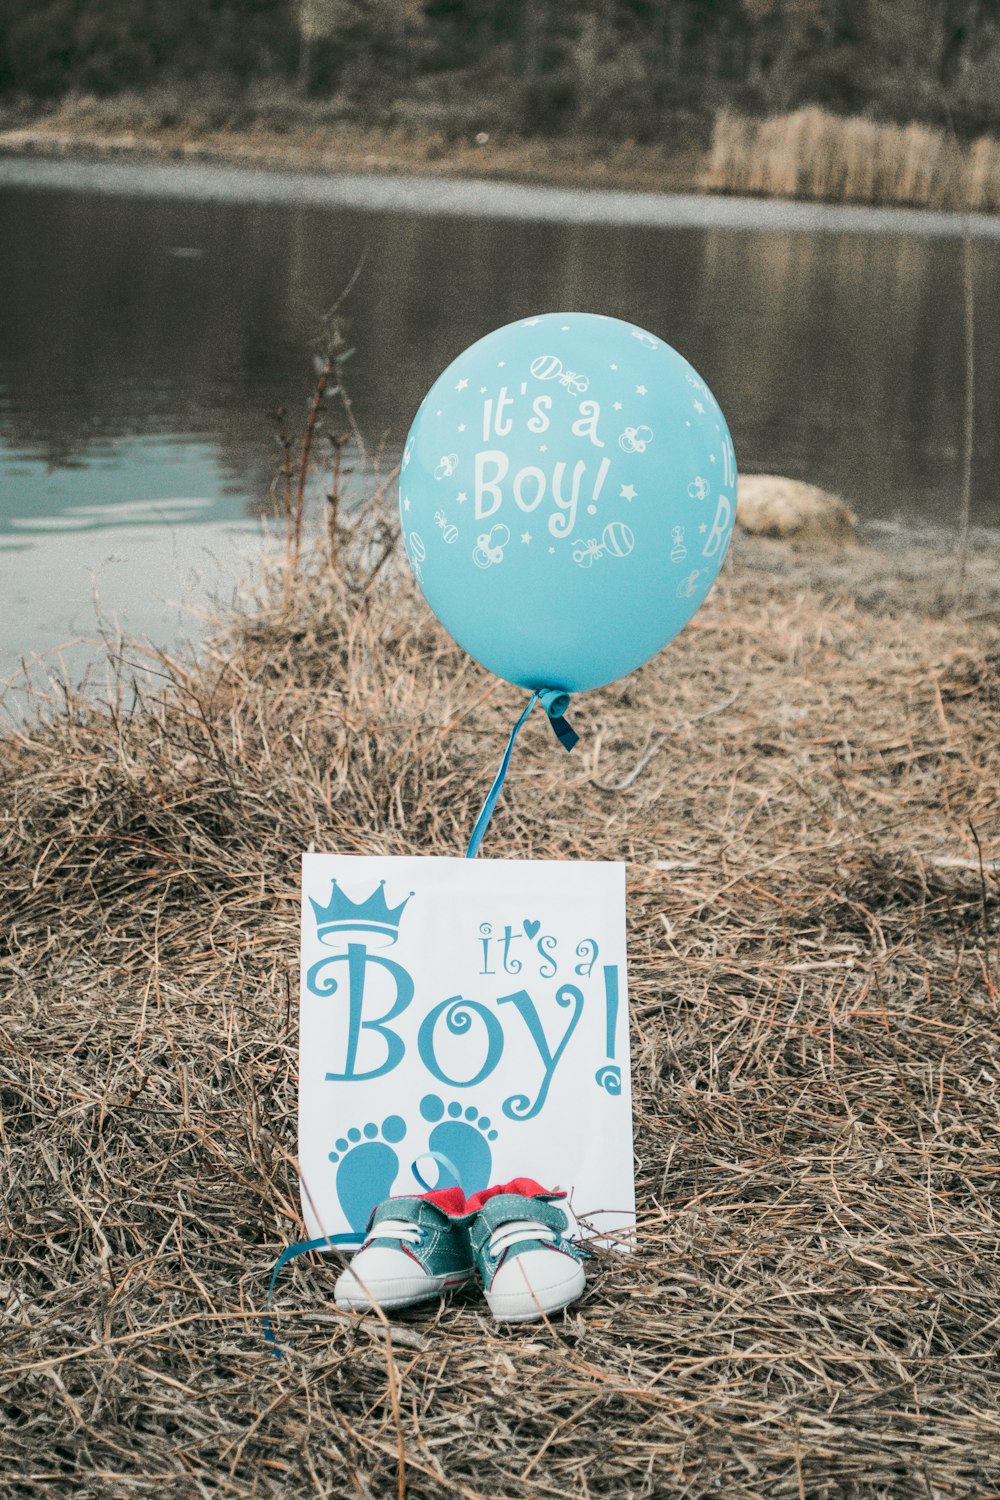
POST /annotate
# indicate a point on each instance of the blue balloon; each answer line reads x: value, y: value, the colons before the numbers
x: 567, y: 497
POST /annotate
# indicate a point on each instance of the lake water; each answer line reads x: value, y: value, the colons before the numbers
x: 153, y: 317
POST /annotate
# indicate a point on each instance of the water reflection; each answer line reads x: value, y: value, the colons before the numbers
x: 121, y: 481
x: 837, y: 356
x: 145, y: 341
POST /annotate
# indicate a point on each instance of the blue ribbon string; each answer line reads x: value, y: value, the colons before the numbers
x: 555, y: 704
x: 325, y: 1242
x: 329, y: 1241
x: 442, y: 1161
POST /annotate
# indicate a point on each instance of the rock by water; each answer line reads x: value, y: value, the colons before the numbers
x: 770, y: 505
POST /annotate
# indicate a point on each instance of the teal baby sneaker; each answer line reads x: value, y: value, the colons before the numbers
x: 417, y: 1248
x: 524, y: 1258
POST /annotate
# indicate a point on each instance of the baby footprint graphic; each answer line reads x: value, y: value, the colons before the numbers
x: 463, y: 1137
x: 367, y: 1167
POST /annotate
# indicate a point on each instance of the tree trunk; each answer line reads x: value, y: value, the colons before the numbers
x: 305, y: 63
x: 671, y: 28
x: 534, y: 31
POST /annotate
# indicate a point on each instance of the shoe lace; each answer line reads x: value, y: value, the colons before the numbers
x: 396, y: 1229
x: 521, y: 1229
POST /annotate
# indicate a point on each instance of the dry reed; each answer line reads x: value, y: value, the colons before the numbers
x: 812, y: 154
x: 814, y: 1308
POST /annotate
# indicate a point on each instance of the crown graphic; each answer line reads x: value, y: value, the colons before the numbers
x: 342, y: 915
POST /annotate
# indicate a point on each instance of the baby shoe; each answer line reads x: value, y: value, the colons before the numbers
x: 416, y: 1248
x: 527, y: 1264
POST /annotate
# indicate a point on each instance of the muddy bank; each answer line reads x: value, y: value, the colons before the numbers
x: 347, y: 148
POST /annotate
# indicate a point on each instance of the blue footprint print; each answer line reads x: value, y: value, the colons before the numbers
x: 367, y: 1167
x: 463, y: 1136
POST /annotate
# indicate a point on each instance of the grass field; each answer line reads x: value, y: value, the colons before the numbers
x: 805, y: 789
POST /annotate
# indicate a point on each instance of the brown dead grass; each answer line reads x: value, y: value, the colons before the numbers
x: 812, y: 154
x: 814, y: 1309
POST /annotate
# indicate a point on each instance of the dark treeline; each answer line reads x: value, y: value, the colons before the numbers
x: 628, y: 68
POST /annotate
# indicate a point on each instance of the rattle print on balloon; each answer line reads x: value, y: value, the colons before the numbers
x: 550, y: 367
x: 616, y: 541
x: 586, y: 553
x: 598, y: 449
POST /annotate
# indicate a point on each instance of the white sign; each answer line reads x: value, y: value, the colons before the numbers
x: 464, y: 1020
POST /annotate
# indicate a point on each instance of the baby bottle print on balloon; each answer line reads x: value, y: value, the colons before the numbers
x: 678, y: 551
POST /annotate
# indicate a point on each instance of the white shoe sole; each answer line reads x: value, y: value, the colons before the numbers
x: 390, y: 1300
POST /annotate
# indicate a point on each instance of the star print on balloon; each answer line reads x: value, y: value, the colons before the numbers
x: 601, y: 434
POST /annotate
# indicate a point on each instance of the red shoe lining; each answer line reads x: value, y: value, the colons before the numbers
x: 527, y: 1187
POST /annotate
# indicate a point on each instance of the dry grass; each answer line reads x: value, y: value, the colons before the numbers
x: 812, y: 154
x: 815, y: 1306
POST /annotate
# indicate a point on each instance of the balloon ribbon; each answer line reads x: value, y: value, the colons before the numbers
x: 350, y: 1241
x: 291, y: 1252
x: 555, y: 704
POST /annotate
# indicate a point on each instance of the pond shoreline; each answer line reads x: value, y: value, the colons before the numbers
x: 124, y: 169
x: 880, y: 571
x: 343, y: 150
x: 353, y: 150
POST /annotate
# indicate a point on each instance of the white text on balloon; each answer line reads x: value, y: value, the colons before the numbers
x: 586, y: 424
x: 720, y: 527
x: 529, y: 486
x: 498, y: 421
